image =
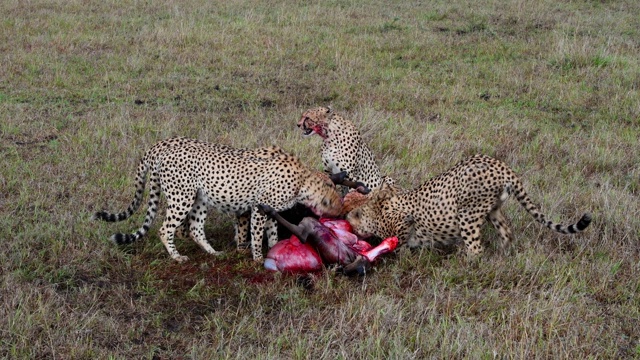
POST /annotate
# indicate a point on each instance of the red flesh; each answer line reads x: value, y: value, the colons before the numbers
x: 334, y: 242
x: 292, y: 256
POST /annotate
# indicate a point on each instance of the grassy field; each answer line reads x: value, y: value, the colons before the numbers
x: 550, y: 87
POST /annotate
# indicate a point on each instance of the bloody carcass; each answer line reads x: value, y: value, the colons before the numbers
x: 332, y: 239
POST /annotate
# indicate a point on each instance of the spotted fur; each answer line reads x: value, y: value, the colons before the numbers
x: 451, y: 207
x: 343, y: 148
x: 195, y: 176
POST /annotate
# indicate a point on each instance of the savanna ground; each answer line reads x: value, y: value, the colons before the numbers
x: 550, y: 87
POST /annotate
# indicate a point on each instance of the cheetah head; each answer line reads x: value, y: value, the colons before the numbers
x: 315, y: 121
x: 353, y: 200
x: 367, y: 218
x: 364, y: 220
x: 321, y: 196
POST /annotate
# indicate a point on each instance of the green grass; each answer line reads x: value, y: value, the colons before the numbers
x: 552, y: 88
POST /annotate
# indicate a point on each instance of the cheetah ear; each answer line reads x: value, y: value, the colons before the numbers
x: 391, y: 188
x: 329, y: 109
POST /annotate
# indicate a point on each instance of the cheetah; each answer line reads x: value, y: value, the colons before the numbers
x: 451, y: 207
x: 195, y: 175
x: 343, y: 148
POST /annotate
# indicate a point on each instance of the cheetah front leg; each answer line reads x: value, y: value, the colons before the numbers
x: 258, y: 222
x: 420, y: 237
x: 241, y: 230
x: 405, y: 231
x: 271, y: 229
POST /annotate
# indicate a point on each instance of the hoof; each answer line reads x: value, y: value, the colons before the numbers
x: 181, y: 259
x: 359, y: 267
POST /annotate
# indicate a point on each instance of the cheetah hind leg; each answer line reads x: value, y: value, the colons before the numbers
x: 193, y: 227
x: 194, y: 221
x: 183, y: 231
x: 470, y: 232
x: 168, y: 229
x: 501, y: 223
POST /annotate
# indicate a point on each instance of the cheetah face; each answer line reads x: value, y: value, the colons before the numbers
x: 368, y: 218
x: 323, y: 199
x: 330, y: 206
x: 314, y: 121
x: 353, y: 200
x: 307, y: 126
x: 363, y: 221
x: 331, y: 202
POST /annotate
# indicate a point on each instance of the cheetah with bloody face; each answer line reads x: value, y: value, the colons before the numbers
x: 451, y: 207
x: 343, y: 148
x: 195, y: 175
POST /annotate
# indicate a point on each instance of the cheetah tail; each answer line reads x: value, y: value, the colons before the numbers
x: 152, y: 211
x: 533, y: 209
x: 141, y: 176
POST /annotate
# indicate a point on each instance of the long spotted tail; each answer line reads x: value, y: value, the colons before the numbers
x: 141, y: 175
x: 141, y: 178
x: 525, y: 201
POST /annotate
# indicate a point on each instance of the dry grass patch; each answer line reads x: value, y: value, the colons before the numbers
x: 549, y: 87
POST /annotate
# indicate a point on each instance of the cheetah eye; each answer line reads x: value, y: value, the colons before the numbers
x: 325, y: 202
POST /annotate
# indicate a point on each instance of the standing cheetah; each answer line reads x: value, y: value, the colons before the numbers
x: 195, y: 175
x: 343, y: 148
x: 450, y: 207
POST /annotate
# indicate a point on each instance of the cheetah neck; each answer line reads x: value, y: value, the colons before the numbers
x: 393, y: 217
